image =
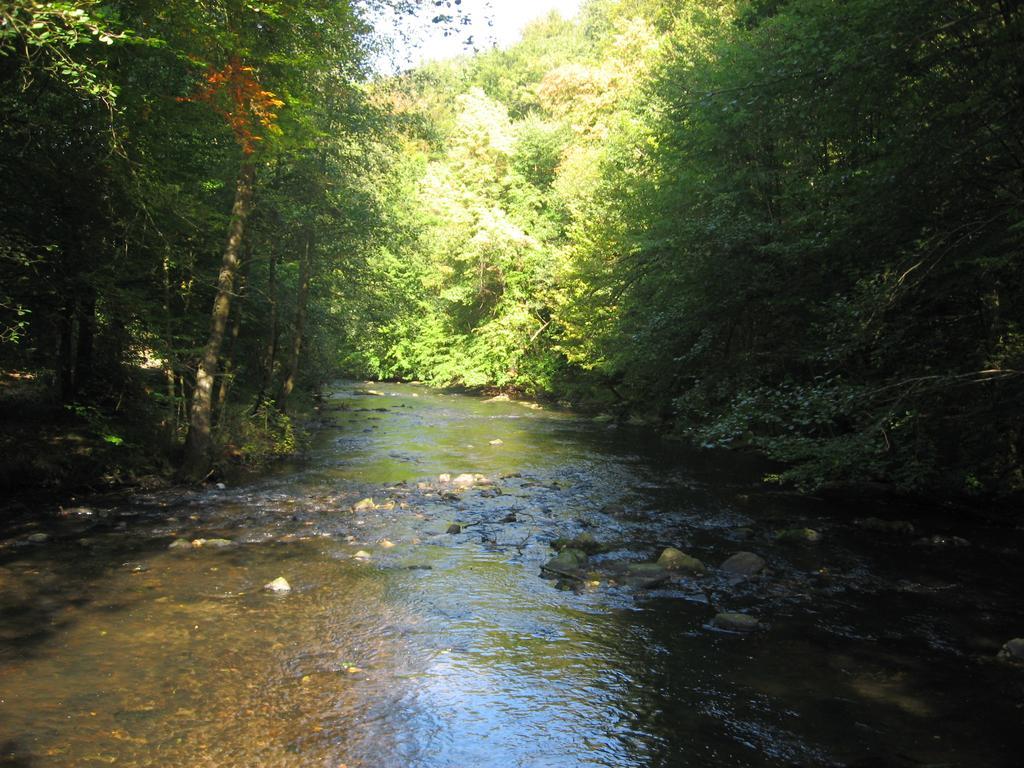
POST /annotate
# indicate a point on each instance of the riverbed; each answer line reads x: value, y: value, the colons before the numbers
x: 420, y: 630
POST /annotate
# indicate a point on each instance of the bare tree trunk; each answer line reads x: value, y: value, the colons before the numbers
x: 295, y: 350
x: 199, y: 442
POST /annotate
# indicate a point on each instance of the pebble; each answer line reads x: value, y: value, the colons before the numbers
x: 278, y: 585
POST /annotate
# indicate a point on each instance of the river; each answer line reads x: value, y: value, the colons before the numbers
x: 403, y: 644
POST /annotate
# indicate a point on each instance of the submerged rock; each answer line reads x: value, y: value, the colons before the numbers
x: 213, y: 543
x: 942, y: 542
x: 645, y: 575
x: 878, y: 525
x: 362, y: 554
x: 585, y: 542
x: 744, y: 564
x: 497, y: 441
x: 798, y: 535
x: 735, y: 622
x: 454, y: 528
x: 39, y: 538
x: 676, y: 560
x: 363, y: 505
x: 180, y: 544
x: 279, y: 585
x: 566, y: 561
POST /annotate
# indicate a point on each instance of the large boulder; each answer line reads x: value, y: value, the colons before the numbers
x: 744, y: 564
x: 675, y: 560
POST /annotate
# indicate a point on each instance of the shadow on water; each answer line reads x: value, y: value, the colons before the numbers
x: 13, y: 756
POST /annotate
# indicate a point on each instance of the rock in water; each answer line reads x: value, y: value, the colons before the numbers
x: 1013, y: 650
x: 744, y: 564
x: 646, y: 575
x: 798, y: 535
x: 938, y: 542
x: 454, y: 528
x: 219, y: 543
x: 566, y: 561
x: 735, y: 622
x: 39, y: 538
x: 279, y: 585
x: 363, y: 505
x: 585, y: 542
x: 675, y: 560
x: 180, y: 544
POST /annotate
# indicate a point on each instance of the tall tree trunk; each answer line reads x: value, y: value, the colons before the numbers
x: 295, y: 350
x: 199, y: 442
x: 270, y: 352
x: 85, y: 312
x: 227, y: 376
x: 65, y: 352
x: 170, y: 371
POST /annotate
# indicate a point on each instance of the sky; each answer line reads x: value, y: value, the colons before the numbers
x: 509, y: 18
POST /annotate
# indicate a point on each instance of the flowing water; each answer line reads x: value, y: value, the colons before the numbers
x: 401, y: 644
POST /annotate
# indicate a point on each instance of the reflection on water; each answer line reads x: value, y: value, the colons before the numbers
x: 448, y: 649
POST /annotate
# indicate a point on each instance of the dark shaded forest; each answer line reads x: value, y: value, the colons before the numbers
x: 793, y: 227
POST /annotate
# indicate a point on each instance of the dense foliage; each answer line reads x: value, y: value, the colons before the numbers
x: 794, y: 225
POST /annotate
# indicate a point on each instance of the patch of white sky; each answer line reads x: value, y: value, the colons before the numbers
x: 490, y: 23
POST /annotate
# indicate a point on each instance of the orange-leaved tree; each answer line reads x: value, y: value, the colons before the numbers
x: 233, y: 92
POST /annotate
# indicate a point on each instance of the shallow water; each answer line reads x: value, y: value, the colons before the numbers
x: 450, y: 649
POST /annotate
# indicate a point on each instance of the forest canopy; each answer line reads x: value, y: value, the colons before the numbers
x: 790, y: 226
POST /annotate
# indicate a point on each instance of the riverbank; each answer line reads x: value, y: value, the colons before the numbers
x: 126, y: 441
